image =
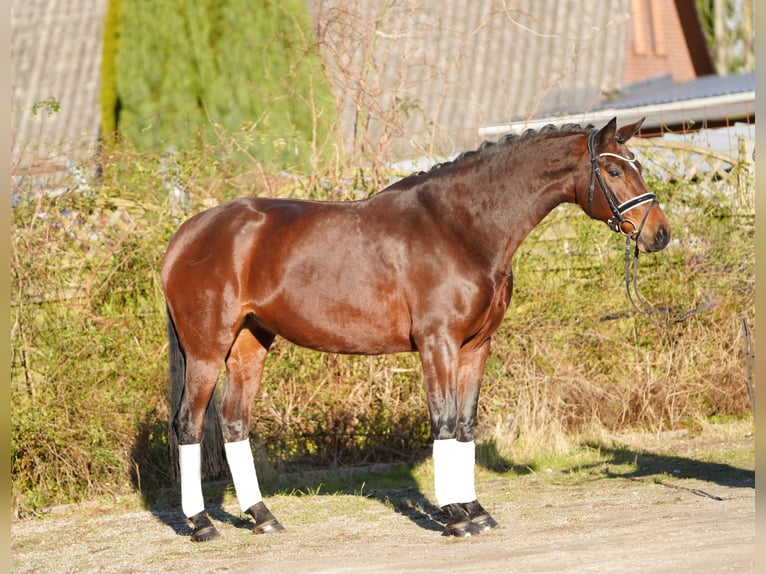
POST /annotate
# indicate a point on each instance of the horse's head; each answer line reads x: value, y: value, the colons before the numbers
x: 617, y: 194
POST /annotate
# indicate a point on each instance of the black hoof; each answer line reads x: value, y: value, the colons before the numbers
x: 484, y: 523
x: 268, y: 528
x: 480, y: 517
x: 265, y: 523
x: 461, y: 529
x: 204, y: 531
x: 467, y: 519
x: 458, y: 522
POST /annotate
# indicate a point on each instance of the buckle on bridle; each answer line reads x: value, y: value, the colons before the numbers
x: 617, y: 220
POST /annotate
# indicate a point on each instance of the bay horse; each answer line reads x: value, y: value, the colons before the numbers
x: 423, y: 266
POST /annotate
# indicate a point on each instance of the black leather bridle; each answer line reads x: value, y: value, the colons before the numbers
x: 615, y: 223
x: 617, y: 220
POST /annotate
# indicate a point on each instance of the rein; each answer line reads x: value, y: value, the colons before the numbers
x: 658, y: 316
x: 615, y: 223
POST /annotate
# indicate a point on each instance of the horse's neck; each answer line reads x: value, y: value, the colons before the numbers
x: 513, y: 191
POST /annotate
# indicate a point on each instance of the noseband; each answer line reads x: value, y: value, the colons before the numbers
x: 617, y: 220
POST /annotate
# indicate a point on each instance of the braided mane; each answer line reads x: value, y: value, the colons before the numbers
x: 506, y: 140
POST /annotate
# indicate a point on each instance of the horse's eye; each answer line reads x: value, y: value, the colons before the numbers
x: 613, y: 172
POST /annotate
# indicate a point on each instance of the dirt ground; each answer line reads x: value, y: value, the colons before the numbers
x: 684, y: 504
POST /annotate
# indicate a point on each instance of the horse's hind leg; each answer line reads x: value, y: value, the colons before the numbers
x: 188, y: 424
x: 244, y: 368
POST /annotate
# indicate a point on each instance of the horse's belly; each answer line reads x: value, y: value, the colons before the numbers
x: 359, y: 335
x: 337, y: 319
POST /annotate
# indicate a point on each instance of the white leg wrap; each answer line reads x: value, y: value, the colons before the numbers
x: 242, y: 469
x: 453, y: 471
x: 189, y: 459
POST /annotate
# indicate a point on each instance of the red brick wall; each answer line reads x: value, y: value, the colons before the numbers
x: 656, y: 43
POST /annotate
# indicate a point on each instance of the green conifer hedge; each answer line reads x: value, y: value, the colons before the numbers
x: 183, y: 69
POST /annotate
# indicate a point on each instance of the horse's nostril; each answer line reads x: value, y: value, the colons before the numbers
x: 662, y: 237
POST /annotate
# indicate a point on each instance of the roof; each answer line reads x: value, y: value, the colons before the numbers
x: 444, y: 68
x: 663, y: 90
x: 703, y: 101
x: 55, y: 58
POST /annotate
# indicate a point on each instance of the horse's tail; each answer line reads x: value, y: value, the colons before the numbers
x: 213, y: 454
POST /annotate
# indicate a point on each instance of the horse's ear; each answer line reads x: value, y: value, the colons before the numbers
x: 627, y: 132
x: 606, y: 134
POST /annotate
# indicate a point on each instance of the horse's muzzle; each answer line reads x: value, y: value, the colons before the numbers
x: 657, y: 243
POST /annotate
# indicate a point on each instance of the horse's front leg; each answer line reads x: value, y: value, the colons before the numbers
x: 470, y: 375
x: 453, y: 379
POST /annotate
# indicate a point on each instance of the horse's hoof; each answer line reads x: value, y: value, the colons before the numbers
x: 479, y: 516
x: 265, y: 523
x: 205, y: 534
x: 467, y: 519
x: 461, y: 529
x: 268, y: 528
x: 484, y: 523
x: 204, y: 531
x: 458, y: 521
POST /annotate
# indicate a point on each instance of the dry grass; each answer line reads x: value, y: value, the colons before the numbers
x: 570, y: 359
x: 88, y: 371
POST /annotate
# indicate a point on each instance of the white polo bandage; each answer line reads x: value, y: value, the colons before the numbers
x: 242, y: 468
x: 454, y: 471
x: 189, y: 460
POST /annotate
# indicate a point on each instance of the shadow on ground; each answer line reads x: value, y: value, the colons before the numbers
x: 395, y: 485
x: 660, y: 466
